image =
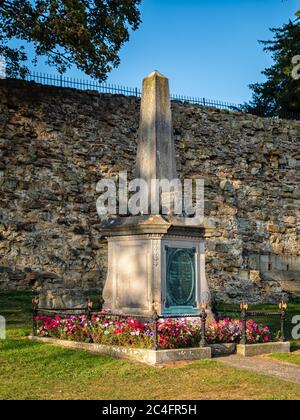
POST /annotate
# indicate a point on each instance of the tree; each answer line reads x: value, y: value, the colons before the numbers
x: 85, y: 33
x: 279, y: 95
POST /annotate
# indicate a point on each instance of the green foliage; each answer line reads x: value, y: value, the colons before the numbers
x: 85, y: 33
x: 279, y: 95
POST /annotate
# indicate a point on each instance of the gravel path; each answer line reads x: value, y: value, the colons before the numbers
x: 264, y: 366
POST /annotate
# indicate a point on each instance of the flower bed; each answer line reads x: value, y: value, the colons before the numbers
x: 129, y: 332
x: 227, y: 331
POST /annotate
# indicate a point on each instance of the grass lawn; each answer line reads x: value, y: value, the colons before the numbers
x: 39, y: 371
x: 293, y: 357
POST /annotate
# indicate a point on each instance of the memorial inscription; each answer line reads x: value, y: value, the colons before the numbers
x: 181, y: 278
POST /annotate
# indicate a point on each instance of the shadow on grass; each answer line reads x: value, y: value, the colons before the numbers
x: 295, y: 346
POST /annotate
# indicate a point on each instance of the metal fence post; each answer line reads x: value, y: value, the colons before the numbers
x: 89, y: 307
x: 155, y: 319
x: 203, y: 316
x: 35, y: 303
x: 244, y: 308
x: 283, y: 308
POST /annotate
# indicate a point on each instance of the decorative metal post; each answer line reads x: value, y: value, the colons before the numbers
x: 203, y: 342
x: 89, y: 307
x: 244, y: 309
x: 35, y: 303
x: 283, y: 307
x: 155, y: 319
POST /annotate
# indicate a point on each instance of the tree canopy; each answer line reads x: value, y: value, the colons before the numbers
x: 86, y: 33
x: 279, y: 95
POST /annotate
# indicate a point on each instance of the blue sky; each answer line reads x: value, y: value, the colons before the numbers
x: 207, y: 48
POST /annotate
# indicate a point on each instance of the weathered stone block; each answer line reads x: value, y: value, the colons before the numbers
x: 255, y: 276
x: 251, y: 350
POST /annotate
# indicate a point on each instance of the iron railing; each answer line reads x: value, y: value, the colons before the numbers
x: 80, y: 84
x: 275, y: 320
x: 58, y: 80
x: 279, y: 322
x: 90, y: 85
x: 88, y: 312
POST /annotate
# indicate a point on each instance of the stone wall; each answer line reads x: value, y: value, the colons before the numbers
x: 57, y: 143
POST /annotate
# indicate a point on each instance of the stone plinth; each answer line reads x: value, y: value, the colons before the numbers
x: 137, y: 271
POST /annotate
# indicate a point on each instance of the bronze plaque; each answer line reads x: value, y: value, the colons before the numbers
x: 181, y: 285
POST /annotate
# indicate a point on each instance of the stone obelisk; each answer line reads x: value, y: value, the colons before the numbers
x: 155, y: 262
x: 156, y: 150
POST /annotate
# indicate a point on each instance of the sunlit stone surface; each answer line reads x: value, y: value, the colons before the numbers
x: 141, y: 277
